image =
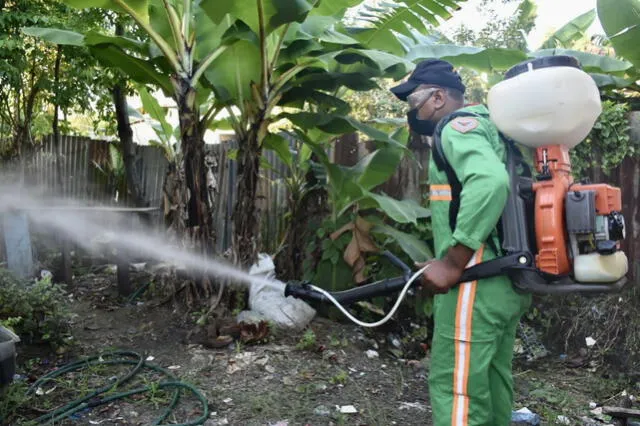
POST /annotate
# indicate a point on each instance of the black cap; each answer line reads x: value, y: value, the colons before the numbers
x: 430, y: 71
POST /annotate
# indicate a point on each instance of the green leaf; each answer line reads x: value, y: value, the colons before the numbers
x: 56, y: 36
x: 335, y: 8
x: 476, y: 58
x: 379, y: 59
x: 93, y: 38
x: 139, y: 7
x: 137, y: 69
x: 416, y: 249
x: 297, y: 96
x: 589, y: 61
x: 377, y: 167
x: 288, y: 11
x: 280, y: 146
x: 605, y: 80
x: 405, y: 211
x: 570, y: 32
x: 208, y: 34
x: 159, y: 20
x: 321, y: 28
x: 153, y: 108
x: 276, y: 12
x: 377, y: 135
x: 620, y: 20
x: 331, y: 81
x: 233, y: 71
x: 401, y: 18
x: 222, y: 124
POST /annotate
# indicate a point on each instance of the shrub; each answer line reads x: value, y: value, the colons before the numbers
x: 34, y: 310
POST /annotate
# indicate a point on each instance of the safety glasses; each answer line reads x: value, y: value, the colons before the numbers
x: 418, y: 98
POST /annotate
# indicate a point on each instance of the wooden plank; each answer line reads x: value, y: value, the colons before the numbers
x: 620, y: 412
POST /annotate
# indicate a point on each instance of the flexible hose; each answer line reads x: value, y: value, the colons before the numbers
x: 388, y: 316
x: 93, y: 400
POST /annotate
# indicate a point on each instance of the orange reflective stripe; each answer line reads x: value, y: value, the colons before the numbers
x: 464, y: 317
x: 440, y: 193
x: 440, y: 187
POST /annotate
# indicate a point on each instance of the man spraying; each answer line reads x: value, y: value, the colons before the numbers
x: 470, y: 380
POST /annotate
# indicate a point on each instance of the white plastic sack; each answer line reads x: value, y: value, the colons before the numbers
x: 268, y: 302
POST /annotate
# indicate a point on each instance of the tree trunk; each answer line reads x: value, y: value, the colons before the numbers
x: 199, y: 210
x: 245, y: 220
x: 125, y: 134
x: 66, y: 271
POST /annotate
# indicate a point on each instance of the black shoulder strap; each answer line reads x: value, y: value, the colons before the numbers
x: 441, y: 162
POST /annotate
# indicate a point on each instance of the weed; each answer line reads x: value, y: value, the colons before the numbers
x: 308, y: 340
x: 12, y: 400
x: 336, y: 341
x: 340, y: 378
x: 36, y: 311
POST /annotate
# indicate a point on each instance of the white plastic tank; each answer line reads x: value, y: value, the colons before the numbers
x: 597, y: 268
x: 545, y: 101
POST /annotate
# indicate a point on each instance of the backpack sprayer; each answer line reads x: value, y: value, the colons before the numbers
x: 557, y: 236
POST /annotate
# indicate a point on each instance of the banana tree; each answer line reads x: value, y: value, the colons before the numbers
x: 289, y: 62
x: 170, y: 58
x: 620, y: 20
x: 259, y: 60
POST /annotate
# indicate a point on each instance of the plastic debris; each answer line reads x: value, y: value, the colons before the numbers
x: 321, y: 387
x: 267, y: 302
x: 347, y: 409
x: 592, y: 405
x: 262, y: 361
x: 413, y: 405
x: 322, y: 411
x: 564, y: 420
x: 590, y: 341
x: 524, y: 415
x: 372, y: 354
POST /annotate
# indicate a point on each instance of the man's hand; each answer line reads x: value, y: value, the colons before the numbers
x: 442, y: 275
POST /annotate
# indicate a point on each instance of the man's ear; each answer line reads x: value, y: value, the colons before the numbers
x: 439, y: 99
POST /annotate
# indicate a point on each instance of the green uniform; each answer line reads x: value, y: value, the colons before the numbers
x: 470, y: 380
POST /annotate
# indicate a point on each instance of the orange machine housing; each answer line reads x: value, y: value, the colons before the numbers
x: 550, y: 221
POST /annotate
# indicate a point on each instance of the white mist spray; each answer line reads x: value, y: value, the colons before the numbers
x: 82, y: 224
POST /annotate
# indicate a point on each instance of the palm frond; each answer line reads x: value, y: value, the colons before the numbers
x: 396, y: 26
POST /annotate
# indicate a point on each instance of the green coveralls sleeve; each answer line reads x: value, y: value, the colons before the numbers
x: 470, y: 379
x: 484, y: 180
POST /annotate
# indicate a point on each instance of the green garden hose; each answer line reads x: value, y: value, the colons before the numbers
x: 93, y: 399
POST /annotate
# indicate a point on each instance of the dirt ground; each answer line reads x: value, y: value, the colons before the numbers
x: 291, y: 379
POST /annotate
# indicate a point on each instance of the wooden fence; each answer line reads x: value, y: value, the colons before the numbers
x: 81, y: 179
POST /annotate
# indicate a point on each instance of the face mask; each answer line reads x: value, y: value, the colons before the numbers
x: 421, y: 127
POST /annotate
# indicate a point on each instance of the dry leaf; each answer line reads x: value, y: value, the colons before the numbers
x: 360, y: 243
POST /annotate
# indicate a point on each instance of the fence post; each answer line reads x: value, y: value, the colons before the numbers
x: 18, y: 244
